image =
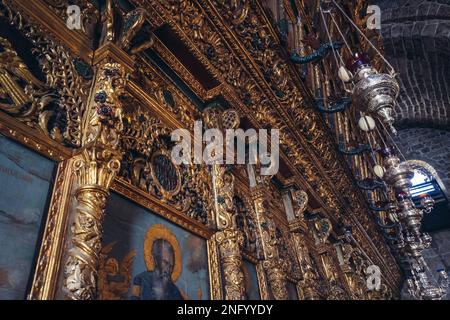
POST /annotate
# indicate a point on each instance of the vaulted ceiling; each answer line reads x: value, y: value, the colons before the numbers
x: 416, y: 36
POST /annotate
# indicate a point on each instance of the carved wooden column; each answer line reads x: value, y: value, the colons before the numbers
x: 95, y: 166
x: 228, y: 237
x: 295, y: 204
x: 266, y: 227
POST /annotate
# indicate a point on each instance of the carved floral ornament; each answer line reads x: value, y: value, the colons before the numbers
x: 225, y: 65
x: 147, y: 164
x: 127, y: 140
x: 52, y: 103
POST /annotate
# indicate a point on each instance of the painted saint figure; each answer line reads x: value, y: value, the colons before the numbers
x: 158, y: 284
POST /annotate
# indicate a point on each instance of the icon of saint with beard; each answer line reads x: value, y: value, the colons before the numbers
x: 163, y: 259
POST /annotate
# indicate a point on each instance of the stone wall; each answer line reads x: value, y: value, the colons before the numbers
x: 416, y: 37
x: 429, y: 145
x: 432, y: 146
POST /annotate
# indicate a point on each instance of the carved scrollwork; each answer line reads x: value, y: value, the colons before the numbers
x: 312, y: 284
x: 106, y: 119
x: 147, y: 165
x: 273, y: 263
x: 277, y: 279
x: 166, y: 94
x: 287, y: 255
x: 222, y: 49
x: 247, y: 224
x: 322, y: 229
x: 230, y: 239
x: 336, y: 292
x: 300, y: 198
x: 229, y: 242
x: 237, y: 10
x: 89, y: 13
x: 54, y: 104
x: 224, y: 186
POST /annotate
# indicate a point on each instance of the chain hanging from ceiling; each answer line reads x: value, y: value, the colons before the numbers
x: 374, y: 93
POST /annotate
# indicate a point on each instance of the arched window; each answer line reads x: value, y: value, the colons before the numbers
x: 423, y: 183
x: 427, y: 181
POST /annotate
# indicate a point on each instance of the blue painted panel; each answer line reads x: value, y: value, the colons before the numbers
x: 25, y: 183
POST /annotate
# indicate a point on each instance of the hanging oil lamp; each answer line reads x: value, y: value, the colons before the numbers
x: 373, y: 92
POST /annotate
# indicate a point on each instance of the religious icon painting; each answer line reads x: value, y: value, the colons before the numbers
x: 145, y: 257
x: 26, y: 180
x: 250, y: 280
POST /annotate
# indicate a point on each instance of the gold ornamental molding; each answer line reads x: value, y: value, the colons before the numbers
x: 324, y: 149
x: 272, y: 263
x: 229, y: 93
x: 167, y: 211
x: 45, y: 280
x: 215, y: 277
x: 314, y: 162
x: 95, y: 166
x: 113, y: 52
x: 152, y: 104
x: 220, y: 76
x: 33, y: 138
x: 75, y: 40
x: 319, y: 146
x: 185, y: 74
x: 229, y: 238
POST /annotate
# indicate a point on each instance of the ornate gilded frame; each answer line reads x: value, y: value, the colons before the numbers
x: 166, y: 211
x: 50, y: 249
x: 43, y: 286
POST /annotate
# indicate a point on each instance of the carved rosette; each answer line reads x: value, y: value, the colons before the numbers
x: 95, y: 167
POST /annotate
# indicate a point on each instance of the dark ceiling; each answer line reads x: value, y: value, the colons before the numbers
x: 416, y: 36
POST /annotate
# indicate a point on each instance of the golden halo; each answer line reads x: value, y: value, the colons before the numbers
x: 156, y: 232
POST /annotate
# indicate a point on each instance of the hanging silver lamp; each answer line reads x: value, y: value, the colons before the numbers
x: 374, y: 92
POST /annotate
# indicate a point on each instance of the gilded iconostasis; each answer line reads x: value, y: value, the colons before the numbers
x: 110, y: 112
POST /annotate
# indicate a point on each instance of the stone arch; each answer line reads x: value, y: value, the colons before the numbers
x: 416, y: 38
x: 431, y: 146
x: 429, y: 170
